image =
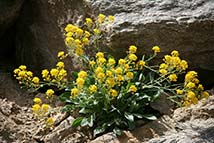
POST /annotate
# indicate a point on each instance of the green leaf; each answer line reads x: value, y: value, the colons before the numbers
x: 91, y: 121
x: 117, y: 131
x: 84, y: 122
x: 77, y: 122
x: 65, y: 97
x: 150, y: 117
x: 129, y: 116
x: 98, y: 130
x: 138, y: 115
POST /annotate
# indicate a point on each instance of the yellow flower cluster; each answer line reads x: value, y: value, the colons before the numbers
x: 77, y: 38
x: 41, y: 111
x: 56, y: 75
x: 109, y: 74
x: 26, y: 77
x: 80, y: 81
x: 193, y: 91
x: 49, y: 94
x: 172, y: 64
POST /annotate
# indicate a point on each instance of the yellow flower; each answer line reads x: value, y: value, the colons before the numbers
x: 61, y: 54
x: 49, y: 122
x: 97, y: 31
x: 167, y: 59
x: 132, y: 88
x: 163, y: 71
x: 101, y: 60
x: 99, y: 55
x: 173, y: 77
x: 79, y: 51
x: 22, y: 74
x: 92, y: 88
x: 80, y: 82
x: 122, y: 62
x: 98, y: 70
x: 108, y: 73
x: 195, y: 100
x: 163, y: 66
x: 101, y: 18
x: 111, y: 61
x: 69, y: 40
x: 29, y: 74
x: 70, y: 28
x: 187, y: 103
x: 87, y: 34
x: 130, y: 75
x: 60, y: 65
x: 200, y: 87
x: 74, y: 91
x: 179, y: 91
x: 69, y: 34
x: 45, y: 107
x: 49, y: 92
x: 16, y: 71
x: 190, y: 85
x: 183, y: 65
x: 54, y: 72
x: 79, y: 32
x: 205, y: 94
x: 111, y: 18
x: 119, y: 70
x: 132, y: 49
x: 175, y: 53
x: 190, y: 75
x: 85, y: 41
x: 110, y: 82
x: 113, y: 92
x: 156, y: 49
x: 62, y: 73
x: 22, y: 67
x: 37, y: 100
x: 190, y: 95
x: 35, y: 80
x: 82, y: 74
x: 77, y: 42
x: 36, y: 108
x: 92, y: 63
x: 132, y: 57
x: 101, y: 75
x: 120, y: 78
x: 141, y: 64
x: 45, y: 74
x: 88, y: 22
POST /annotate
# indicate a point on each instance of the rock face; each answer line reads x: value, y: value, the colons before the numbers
x: 9, y: 12
x: 183, y: 25
x: 189, y: 125
x: 40, y: 30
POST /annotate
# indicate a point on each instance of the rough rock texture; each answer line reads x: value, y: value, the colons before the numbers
x: 40, y: 30
x: 184, y: 25
x: 9, y: 11
x: 190, y: 125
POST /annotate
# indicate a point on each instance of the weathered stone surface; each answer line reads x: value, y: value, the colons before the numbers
x: 184, y: 25
x: 9, y: 11
x: 40, y: 30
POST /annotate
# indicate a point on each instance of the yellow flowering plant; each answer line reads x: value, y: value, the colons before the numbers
x: 111, y: 94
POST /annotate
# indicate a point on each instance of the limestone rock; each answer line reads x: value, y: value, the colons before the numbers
x: 183, y: 25
x: 40, y: 30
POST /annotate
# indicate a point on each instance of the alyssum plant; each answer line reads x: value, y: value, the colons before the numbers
x: 111, y: 94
